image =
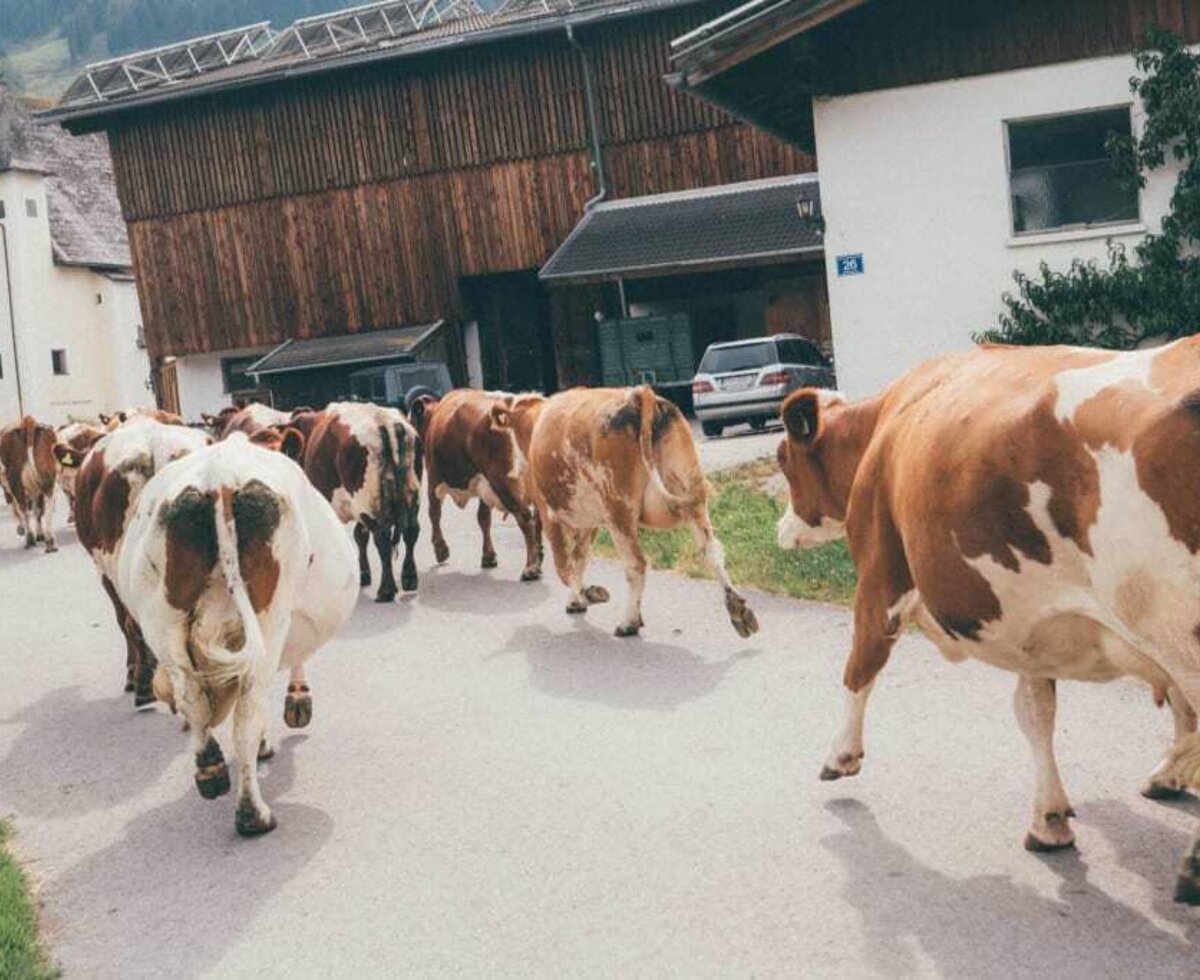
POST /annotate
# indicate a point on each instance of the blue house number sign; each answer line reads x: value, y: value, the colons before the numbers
x: 851, y: 265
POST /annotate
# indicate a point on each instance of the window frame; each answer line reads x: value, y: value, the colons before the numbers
x: 1006, y: 125
x: 58, y: 359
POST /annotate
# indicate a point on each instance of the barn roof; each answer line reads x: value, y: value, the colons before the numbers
x: 692, y: 231
x: 356, y: 348
x: 86, y: 227
x: 257, y: 54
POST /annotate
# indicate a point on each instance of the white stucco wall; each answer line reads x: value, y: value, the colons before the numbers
x: 202, y: 384
x: 916, y: 179
x: 85, y: 313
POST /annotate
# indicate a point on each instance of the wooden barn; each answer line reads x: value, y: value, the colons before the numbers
x: 409, y: 164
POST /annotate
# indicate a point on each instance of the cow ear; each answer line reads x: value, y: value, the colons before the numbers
x: 67, y: 457
x: 105, y: 419
x: 209, y: 420
x: 501, y: 416
x: 291, y: 443
x: 802, y: 415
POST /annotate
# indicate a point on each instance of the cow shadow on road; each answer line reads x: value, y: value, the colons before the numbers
x: 590, y: 664
x: 74, y: 755
x: 989, y: 925
x: 371, y: 619
x: 180, y: 886
x: 499, y: 591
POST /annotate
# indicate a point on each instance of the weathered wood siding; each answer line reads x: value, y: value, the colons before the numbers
x: 358, y: 200
x: 888, y: 43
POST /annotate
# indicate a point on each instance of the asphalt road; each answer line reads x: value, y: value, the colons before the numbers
x: 492, y: 787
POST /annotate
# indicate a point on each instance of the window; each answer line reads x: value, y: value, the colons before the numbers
x: 58, y: 361
x: 800, y: 352
x: 233, y: 372
x: 744, y: 357
x: 1, y: 210
x: 31, y: 207
x: 1060, y: 175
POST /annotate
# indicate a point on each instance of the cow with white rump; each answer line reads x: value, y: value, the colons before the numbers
x: 235, y: 568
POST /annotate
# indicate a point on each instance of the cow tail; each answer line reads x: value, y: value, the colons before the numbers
x: 389, y: 481
x: 29, y: 424
x: 648, y: 408
x: 223, y: 666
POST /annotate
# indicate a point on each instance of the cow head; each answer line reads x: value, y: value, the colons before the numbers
x: 70, y: 455
x: 518, y: 415
x: 216, y: 423
x: 819, y: 467
x: 284, y: 439
x: 114, y: 421
x: 419, y: 412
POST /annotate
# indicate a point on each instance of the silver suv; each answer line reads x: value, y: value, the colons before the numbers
x: 747, y: 380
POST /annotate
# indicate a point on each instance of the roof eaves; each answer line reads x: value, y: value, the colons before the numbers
x: 689, y: 264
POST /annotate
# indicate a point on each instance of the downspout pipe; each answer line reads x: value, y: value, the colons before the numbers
x: 12, y: 323
x: 589, y: 91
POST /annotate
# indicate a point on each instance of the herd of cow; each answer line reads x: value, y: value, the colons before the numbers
x: 1033, y: 508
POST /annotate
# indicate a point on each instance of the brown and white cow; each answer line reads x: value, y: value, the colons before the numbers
x: 248, y: 419
x: 366, y: 461
x: 78, y: 438
x: 235, y: 568
x: 28, y: 476
x: 1033, y: 508
x: 623, y: 459
x: 467, y: 455
x: 116, y: 419
x: 111, y: 478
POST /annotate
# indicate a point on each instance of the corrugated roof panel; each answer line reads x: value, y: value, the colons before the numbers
x: 355, y: 348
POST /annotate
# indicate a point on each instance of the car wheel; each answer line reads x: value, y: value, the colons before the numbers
x: 712, y: 429
x: 758, y: 424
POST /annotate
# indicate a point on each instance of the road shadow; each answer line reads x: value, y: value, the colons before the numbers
x: 371, y: 619
x: 500, y: 590
x: 590, y: 664
x: 988, y: 925
x: 113, y: 753
x: 180, y: 886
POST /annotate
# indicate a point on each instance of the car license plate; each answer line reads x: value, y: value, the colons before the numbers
x: 736, y: 384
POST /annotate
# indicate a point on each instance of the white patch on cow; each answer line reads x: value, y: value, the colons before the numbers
x: 1078, y: 385
x: 794, y: 532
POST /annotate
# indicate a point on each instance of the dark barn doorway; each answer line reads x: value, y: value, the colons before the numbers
x: 515, y: 334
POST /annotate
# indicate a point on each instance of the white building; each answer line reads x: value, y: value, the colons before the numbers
x: 956, y: 143
x: 69, y: 316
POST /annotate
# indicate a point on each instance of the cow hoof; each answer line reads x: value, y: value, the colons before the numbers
x: 625, y: 630
x: 740, y: 614
x: 384, y: 597
x: 298, y: 709
x: 51, y: 547
x: 408, y: 582
x: 213, y: 781
x: 364, y: 579
x: 1163, y: 791
x: 843, y: 767
x: 130, y: 687
x: 488, y: 561
x: 30, y: 541
x: 441, y: 551
x: 250, y: 823
x: 143, y: 698
x: 1187, y: 885
x: 1035, y: 845
x: 576, y: 608
x: 1055, y: 835
x: 596, y: 594
x: 531, y: 575
x: 265, y: 750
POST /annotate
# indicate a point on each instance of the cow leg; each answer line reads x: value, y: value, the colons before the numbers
x: 132, y: 652
x: 409, y: 580
x: 531, y: 527
x: 212, y: 774
x: 1162, y: 784
x: 46, y: 516
x: 484, y: 516
x: 630, y: 549
x: 298, y: 706
x: 571, y: 549
x: 846, y: 755
x: 1035, y: 703
x: 387, y: 576
x: 740, y: 614
x: 362, y: 537
x: 253, y: 816
x: 441, y: 550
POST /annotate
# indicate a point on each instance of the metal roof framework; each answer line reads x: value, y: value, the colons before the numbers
x: 117, y: 77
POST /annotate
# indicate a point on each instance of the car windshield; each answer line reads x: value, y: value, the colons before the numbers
x: 723, y: 360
